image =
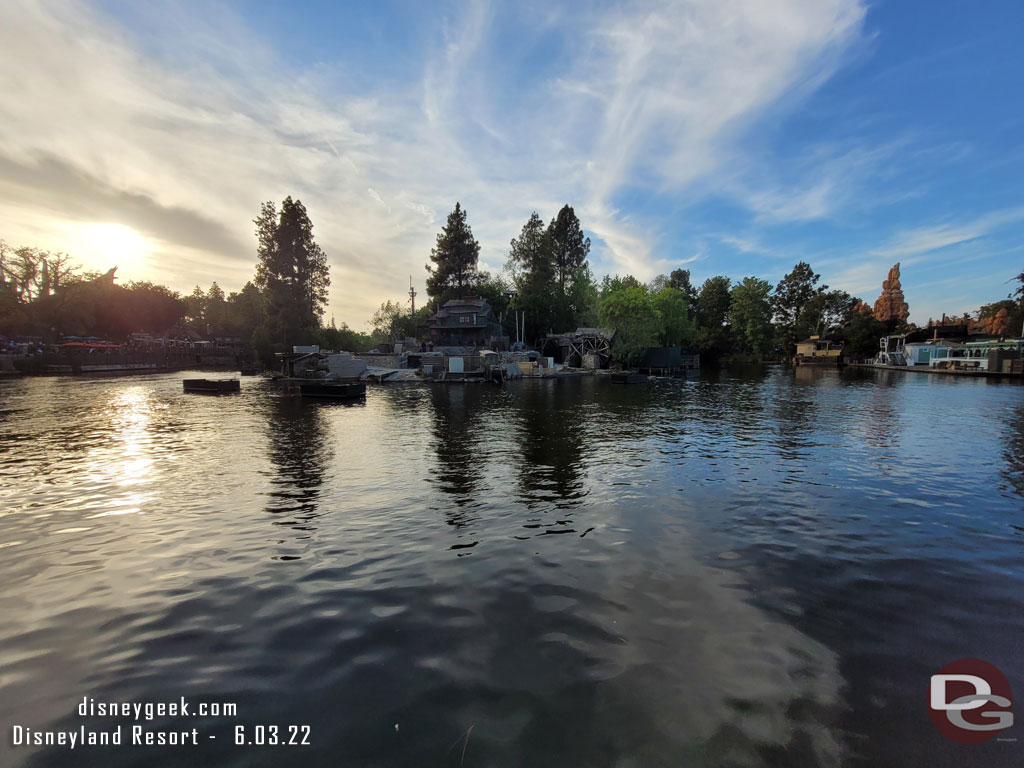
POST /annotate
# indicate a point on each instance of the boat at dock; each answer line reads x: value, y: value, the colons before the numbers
x: 334, y: 391
x: 211, y: 386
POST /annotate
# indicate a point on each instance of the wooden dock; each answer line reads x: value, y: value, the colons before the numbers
x: 938, y: 371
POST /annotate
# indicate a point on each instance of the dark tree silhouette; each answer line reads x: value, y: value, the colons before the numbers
x: 292, y: 272
x: 454, y: 258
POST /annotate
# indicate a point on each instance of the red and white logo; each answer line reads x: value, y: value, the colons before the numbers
x: 969, y: 701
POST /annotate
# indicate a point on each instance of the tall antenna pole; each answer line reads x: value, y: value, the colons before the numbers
x: 412, y: 295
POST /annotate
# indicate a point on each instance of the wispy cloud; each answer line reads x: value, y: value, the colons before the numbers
x: 929, y: 239
x: 180, y: 132
x: 924, y: 255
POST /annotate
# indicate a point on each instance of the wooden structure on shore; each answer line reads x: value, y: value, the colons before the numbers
x: 969, y: 372
x: 818, y: 351
x: 669, y: 361
x: 583, y: 348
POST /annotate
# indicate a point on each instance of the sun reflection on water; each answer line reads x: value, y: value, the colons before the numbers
x: 127, y: 462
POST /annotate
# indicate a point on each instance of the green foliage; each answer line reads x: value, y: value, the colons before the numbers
x: 151, y: 307
x: 680, y: 280
x: 211, y: 313
x: 824, y: 312
x: 530, y: 258
x: 613, y: 283
x: 101, y: 308
x: 626, y: 306
x: 195, y: 304
x: 27, y: 273
x: 791, y: 296
x: 677, y: 329
x: 245, y: 311
x: 263, y: 345
x: 394, y: 321
x: 569, y: 247
x: 714, y: 335
x: 342, y: 339
x: 14, y: 316
x: 861, y: 334
x: 750, y: 315
x: 991, y: 310
x: 493, y: 289
x: 531, y: 263
x: 583, y: 298
x: 454, y: 259
x: 554, y: 286
x: 291, y: 271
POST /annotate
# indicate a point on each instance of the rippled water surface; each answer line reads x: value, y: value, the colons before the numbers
x: 737, y: 570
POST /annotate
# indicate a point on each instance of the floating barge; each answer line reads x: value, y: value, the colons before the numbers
x: 211, y: 386
x: 347, y: 391
x: 629, y: 378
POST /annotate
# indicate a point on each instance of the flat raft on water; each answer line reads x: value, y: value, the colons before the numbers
x: 629, y: 378
x: 211, y: 386
x: 334, y: 391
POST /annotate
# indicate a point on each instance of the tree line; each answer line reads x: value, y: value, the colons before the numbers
x: 547, y: 279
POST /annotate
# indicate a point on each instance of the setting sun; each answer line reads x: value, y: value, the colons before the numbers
x: 116, y: 245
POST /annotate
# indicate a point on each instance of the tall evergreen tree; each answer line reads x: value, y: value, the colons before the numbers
x: 454, y: 270
x: 292, y: 271
x: 531, y: 262
x: 530, y: 256
x: 569, y: 247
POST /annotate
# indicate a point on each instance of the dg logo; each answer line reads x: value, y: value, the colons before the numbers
x: 969, y: 701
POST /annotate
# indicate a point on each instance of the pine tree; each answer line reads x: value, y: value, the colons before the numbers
x: 531, y: 262
x: 292, y: 271
x: 454, y: 270
x: 569, y: 248
x: 530, y: 256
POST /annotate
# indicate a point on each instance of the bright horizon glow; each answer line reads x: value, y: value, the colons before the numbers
x: 113, y: 245
x: 732, y: 137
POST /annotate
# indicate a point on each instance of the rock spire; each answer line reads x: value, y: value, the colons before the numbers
x: 890, y: 303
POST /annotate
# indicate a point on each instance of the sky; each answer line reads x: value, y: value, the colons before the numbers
x: 732, y: 137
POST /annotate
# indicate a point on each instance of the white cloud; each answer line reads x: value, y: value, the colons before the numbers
x: 187, y: 135
x: 928, y: 239
x: 928, y: 287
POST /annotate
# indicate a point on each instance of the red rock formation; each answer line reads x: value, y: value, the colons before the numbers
x: 890, y: 303
x: 860, y: 306
x: 998, y: 323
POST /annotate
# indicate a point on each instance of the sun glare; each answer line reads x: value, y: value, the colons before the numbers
x: 117, y: 245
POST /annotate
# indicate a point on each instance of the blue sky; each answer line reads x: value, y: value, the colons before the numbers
x: 734, y: 137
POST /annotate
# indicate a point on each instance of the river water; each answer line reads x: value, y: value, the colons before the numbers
x: 758, y: 569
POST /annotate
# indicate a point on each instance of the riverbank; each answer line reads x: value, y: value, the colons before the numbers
x: 124, y: 369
